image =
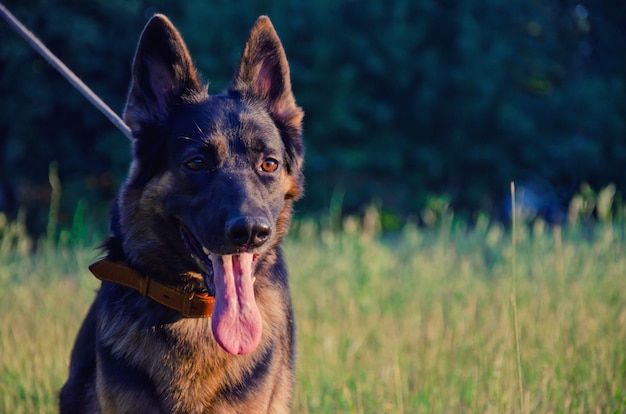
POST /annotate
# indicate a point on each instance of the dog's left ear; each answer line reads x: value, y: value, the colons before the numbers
x: 163, y: 72
x: 263, y: 75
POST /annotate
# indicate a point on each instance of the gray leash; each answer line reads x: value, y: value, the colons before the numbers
x: 65, y: 71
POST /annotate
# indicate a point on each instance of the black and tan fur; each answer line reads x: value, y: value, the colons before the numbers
x: 203, y: 169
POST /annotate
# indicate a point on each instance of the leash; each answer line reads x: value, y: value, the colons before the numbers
x: 64, y: 70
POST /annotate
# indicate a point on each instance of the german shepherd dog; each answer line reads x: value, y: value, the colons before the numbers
x: 194, y: 314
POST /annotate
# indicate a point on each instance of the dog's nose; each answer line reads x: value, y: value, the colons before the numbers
x: 248, y: 231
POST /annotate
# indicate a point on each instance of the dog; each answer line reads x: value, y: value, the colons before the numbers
x: 194, y: 313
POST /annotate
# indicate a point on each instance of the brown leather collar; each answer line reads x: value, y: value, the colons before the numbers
x: 194, y: 305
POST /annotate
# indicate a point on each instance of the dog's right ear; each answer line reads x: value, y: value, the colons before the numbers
x: 162, y: 73
x: 263, y: 75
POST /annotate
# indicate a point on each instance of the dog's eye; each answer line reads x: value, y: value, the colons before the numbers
x: 196, y: 164
x: 269, y: 165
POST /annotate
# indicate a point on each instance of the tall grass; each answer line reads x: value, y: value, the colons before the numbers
x: 422, y: 323
x: 415, y: 322
x: 43, y: 298
x: 520, y: 377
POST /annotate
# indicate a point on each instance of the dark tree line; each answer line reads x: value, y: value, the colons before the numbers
x: 403, y: 99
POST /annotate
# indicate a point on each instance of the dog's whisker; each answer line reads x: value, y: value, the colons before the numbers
x: 198, y: 127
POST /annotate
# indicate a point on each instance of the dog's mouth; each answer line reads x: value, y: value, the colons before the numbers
x: 236, y: 320
x: 201, y: 254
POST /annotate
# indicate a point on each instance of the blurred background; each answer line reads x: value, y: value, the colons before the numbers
x: 406, y: 101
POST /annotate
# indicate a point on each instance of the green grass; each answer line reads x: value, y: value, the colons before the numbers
x: 420, y: 321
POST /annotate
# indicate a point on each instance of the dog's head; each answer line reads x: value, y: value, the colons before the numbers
x: 213, y: 177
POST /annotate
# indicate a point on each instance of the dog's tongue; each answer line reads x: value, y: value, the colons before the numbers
x: 236, y: 321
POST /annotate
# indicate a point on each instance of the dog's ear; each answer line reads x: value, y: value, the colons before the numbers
x: 162, y: 73
x: 263, y: 74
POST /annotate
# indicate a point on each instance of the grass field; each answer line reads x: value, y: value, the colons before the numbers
x: 418, y: 322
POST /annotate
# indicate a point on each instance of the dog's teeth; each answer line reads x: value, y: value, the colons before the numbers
x: 206, y: 251
x: 253, y: 279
